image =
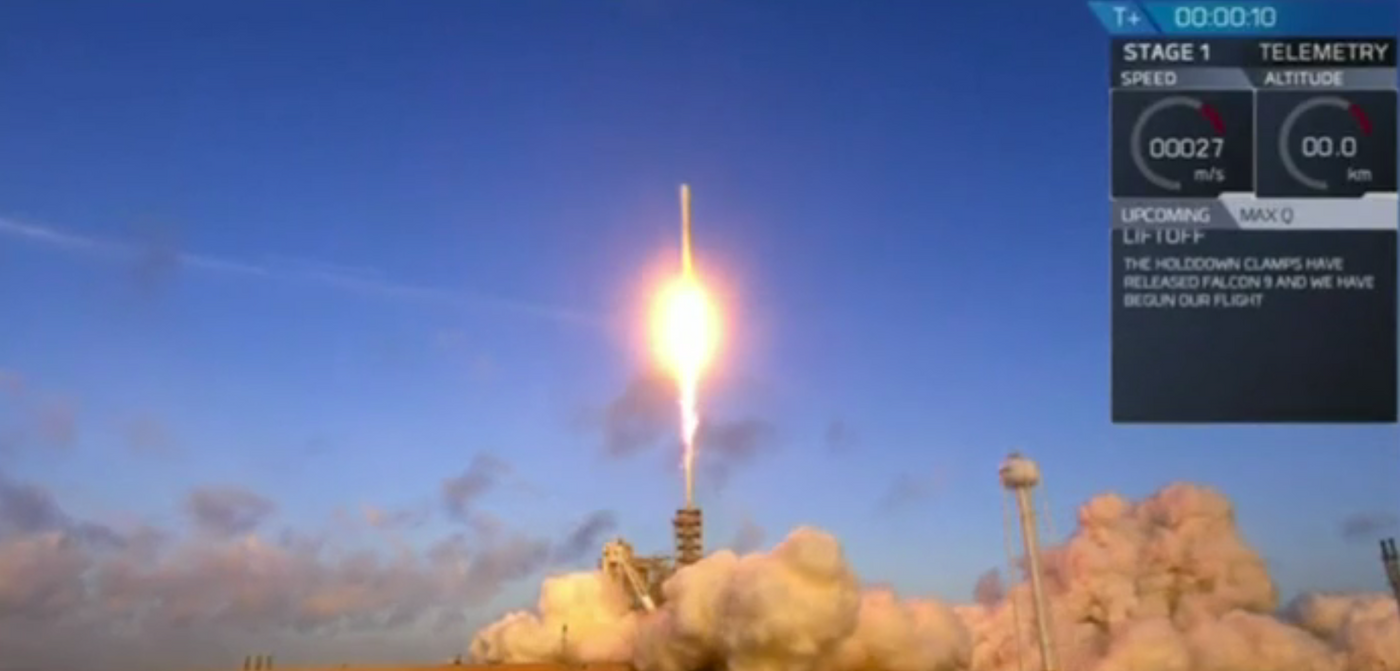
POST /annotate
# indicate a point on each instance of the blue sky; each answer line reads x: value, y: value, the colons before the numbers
x: 413, y: 233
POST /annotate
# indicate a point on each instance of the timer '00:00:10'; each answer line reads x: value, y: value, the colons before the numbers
x: 1215, y: 17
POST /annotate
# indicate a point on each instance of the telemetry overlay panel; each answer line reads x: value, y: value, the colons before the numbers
x: 1254, y: 210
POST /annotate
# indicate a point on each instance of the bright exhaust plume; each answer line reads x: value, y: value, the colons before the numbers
x: 685, y: 328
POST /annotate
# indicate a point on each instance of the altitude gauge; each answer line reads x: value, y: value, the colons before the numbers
x: 1326, y: 144
x: 1188, y: 144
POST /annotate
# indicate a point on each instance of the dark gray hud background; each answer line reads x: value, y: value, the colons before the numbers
x: 1304, y: 356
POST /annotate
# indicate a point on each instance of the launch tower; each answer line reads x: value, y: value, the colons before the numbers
x: 1020, y: 476
x: 690, y: 543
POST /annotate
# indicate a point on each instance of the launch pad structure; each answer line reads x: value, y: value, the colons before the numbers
x: 641, y: 576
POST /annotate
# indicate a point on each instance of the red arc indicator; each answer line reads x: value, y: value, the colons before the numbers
x: 1213, y: 116
x: 1361, y: 119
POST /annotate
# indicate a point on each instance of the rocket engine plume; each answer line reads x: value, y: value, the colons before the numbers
x: 685, y: 334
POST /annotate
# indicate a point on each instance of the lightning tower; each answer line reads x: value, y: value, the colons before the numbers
x: 1020, y: 476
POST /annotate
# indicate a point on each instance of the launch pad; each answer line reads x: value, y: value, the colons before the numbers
x: 641, y: 577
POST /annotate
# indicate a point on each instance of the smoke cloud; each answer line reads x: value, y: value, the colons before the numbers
x: 148, y: 435
x: 797, y: 607
x: 586, y: 537
x: 32, y: 419
x: 907, y: 490
x: 642, y: 418
x: 839, y: 437
x: 78, y: 593
x: 459, y: 494
x: 749, y: 537
x: 1369, y: 526
x: 227, y: 510
x: 1163, y: 584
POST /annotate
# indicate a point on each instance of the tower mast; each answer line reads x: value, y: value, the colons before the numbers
x: 1020, y: 476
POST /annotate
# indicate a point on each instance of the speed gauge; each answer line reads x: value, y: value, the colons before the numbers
x: 1326, y: 144
x: 1182, y: 143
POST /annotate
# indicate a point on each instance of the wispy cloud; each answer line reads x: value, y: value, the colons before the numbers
x: 840, y: 438
x: 225, y: 583
x: 586, y: 537
x: 147, y: 435
x: 1369, y: 525
x: 641, y: 417
x: 907, y: 490
x: 360, y: 281
x: 227, y: 510
x: 460, y: 493
x: 38, y: 420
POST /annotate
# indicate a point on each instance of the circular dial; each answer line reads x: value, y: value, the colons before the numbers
x: 1336, y: 139
x: 1173, y: 137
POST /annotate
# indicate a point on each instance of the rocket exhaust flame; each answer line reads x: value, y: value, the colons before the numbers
x: 690, y: 424
x: 686, y: 334
x: 688, y: 393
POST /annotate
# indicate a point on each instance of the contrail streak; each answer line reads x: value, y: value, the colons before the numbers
x: 356, y: 282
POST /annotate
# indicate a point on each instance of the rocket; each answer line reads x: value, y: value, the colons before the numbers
x: 687, y: 266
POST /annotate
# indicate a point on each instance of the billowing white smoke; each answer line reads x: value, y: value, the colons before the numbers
x: 798, y: 607
x: 1166, y: 584
x: 1363, y: 625
x: 585, y: 613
